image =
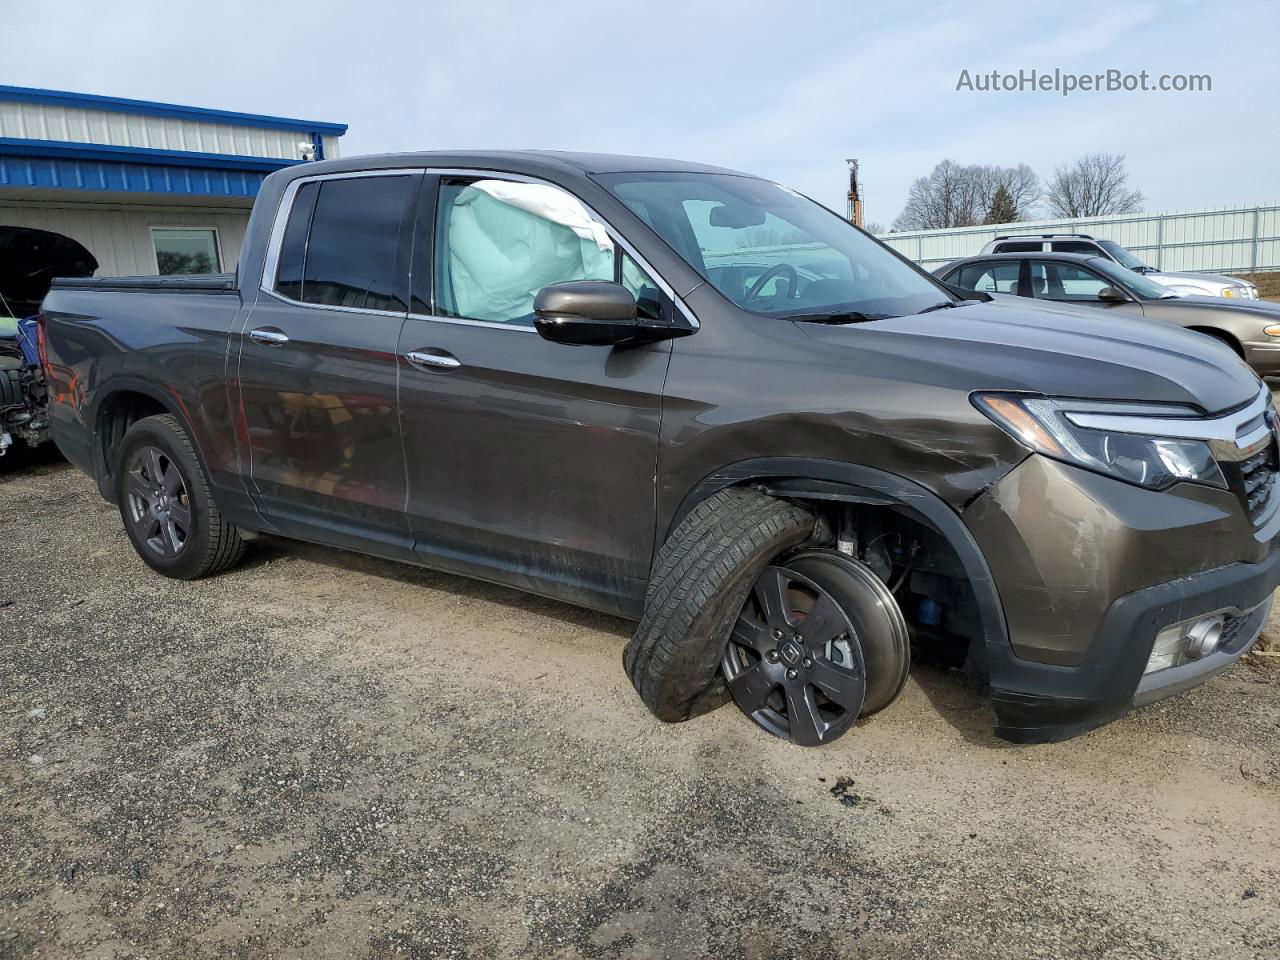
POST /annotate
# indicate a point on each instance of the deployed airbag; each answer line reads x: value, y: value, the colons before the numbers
x: 508, y: 240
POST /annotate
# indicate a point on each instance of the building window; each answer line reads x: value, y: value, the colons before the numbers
x: 186, y: 250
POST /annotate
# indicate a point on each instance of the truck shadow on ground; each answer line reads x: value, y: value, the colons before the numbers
x: 270, y: 550
x: 957, y: 699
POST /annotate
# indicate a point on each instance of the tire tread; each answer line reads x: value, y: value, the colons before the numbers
x: 700, y: 580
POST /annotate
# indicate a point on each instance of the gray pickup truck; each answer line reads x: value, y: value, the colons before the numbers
x: 698, y: 400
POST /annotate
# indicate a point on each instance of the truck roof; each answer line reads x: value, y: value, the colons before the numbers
x: 530, y: 162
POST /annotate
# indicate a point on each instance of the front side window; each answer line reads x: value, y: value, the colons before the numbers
x: 499, y: 242
x: 183, y: 250
x: 1136, y: 283
x: 999, y: 277
x: 343, y: 240
x: 1065, y: 281
x: 770, y: 250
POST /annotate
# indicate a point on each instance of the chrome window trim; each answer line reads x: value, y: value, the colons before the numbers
x: 1222, y: 429
x: 278, y: 225
x: 466, y: 322
x: 363, y: 311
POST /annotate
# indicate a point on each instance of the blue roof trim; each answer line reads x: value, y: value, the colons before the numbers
x: 88, y: 166
x: 151, y: 178
x: 68, y: 150
x: 89, y: 101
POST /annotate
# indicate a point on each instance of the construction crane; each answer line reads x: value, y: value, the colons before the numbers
x: 854, y: 213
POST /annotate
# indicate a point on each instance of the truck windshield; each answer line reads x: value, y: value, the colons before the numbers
x: 1122, y: 256
x: 772, y: 251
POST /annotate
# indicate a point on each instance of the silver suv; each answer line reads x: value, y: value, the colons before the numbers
x: 1187, y: 284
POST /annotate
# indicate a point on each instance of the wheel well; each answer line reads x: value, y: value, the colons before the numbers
x: 912, y: 541
x: 1222, y: 336
x: 118, y: 413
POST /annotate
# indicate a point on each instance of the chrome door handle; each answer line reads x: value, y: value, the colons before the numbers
x: 268, y: 336
x: 441, y: 361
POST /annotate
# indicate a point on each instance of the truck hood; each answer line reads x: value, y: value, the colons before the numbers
x: 1048, y: 349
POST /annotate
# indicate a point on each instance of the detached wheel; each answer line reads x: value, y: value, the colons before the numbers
x: 165, y: 503
x: 820, y: 641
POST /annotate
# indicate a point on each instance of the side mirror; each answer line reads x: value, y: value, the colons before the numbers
x: 586, y: 313
x: 1112, y: 295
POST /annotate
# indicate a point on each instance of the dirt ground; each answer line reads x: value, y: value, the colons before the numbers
x: 319, y: 755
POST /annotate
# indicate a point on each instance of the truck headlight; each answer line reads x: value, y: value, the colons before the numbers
x: 1148, y: 461
x: 1228, y: 292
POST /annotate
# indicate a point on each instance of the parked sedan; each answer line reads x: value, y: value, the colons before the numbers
x: 1187, y: 284
x: 1250, y: 327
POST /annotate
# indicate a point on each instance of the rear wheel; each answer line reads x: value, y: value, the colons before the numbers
x: 165, y: 503
x: 819, y: 642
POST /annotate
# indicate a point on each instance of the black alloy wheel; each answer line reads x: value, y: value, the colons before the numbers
x: 158, y: 507
x: 793, y: 663
x: 819, y: 642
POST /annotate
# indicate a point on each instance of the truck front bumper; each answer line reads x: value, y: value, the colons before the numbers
x: 1089, y: 570
x: 1041, y: 703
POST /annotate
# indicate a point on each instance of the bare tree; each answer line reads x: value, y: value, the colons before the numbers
x: 874, y: 227
x: 955, y: 195
x: 1094, y: 185
x: 948, y: 197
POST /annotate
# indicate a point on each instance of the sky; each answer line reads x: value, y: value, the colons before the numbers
x: 783, y: 90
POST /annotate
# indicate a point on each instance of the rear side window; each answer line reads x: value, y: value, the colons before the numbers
x: 1019, y: 246
x: 343, y: 243
x: 1075, y: 246
x: 988, y: 277
x: 293, y: 249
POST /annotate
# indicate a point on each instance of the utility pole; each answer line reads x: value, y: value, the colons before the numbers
x: 855, y: 195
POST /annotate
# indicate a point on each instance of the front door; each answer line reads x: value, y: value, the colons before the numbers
x: 318, y: 369
x: 1065, y: 282
x: 529, y: 463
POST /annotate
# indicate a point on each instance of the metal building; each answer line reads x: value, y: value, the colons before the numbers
x: 145, y: 187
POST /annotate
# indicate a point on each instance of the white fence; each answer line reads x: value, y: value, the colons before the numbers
x: 1219, y: 240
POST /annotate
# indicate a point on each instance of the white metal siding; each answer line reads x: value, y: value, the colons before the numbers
x: 36, y: 121
x: 120, y: 236
x: 1218, y: 240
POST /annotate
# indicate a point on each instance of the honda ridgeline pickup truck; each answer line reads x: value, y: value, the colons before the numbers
x: 699, y: 400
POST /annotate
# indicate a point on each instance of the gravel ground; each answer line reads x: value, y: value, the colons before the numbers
x: 322, y: 755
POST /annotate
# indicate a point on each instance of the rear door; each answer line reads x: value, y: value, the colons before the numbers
x: 529, y: 462
x: 317, y: 362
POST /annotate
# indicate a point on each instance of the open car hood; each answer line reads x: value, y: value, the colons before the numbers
x: 30, y: 259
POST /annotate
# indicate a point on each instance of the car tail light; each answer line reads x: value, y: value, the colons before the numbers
x: 42, y: 343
